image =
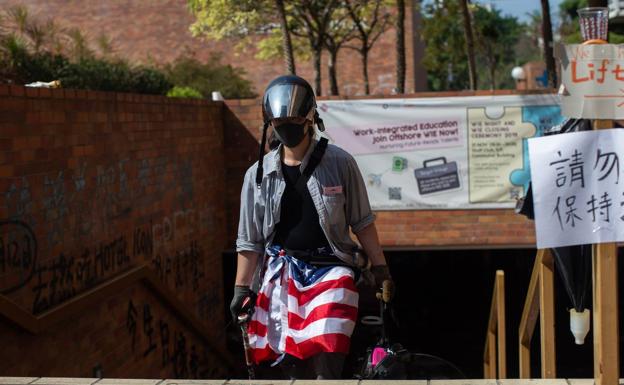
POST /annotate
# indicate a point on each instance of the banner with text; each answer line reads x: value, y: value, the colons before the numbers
x: 576, y: 191
x: 441, y: 153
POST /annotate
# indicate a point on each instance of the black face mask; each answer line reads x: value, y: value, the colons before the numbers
x: 291, y: 134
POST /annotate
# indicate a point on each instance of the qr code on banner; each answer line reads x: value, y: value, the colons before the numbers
x: 394, y: 193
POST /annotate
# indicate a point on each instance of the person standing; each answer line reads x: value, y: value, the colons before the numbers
x: 298, y: 204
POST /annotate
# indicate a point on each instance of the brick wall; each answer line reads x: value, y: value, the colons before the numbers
x: 399, y: 229
x: 93, y: 184
x: 158, y: 31
x: 132, y: 335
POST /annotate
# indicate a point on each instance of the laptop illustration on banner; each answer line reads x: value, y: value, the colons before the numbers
x: 437, y: 175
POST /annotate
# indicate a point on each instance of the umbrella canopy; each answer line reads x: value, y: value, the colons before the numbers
x: 574, y: 267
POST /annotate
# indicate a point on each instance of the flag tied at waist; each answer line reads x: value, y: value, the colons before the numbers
x: 301, y: 309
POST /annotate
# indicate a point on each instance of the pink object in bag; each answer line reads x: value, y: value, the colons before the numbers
x: 379, y: 354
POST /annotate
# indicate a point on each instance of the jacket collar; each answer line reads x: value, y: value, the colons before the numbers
x: 274, y: 161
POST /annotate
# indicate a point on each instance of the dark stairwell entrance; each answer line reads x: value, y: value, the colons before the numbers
x: 442, y: 305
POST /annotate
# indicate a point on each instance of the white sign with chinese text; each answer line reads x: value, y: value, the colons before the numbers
x: 578, y: 187
x: 593, y: 80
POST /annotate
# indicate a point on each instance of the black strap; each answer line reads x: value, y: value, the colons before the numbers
x: 315, y: 159
x: 259, y: 170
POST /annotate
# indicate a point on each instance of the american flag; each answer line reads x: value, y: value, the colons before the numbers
x: 302, y: 310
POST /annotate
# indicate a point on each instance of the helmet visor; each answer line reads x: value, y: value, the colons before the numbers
x: 283, y: 101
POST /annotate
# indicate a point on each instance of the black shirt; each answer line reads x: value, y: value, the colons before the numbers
x: 299, y: 227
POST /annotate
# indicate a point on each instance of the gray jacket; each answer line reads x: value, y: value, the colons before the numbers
x: 336, y: 188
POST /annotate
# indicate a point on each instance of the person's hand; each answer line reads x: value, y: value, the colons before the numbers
x: 236, y: 306
x: 383, y: 281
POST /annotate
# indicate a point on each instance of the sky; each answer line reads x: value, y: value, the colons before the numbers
x: 520, y: 8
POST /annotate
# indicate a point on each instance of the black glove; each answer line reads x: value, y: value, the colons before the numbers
x: 236, y: 306
x: 383, y: 281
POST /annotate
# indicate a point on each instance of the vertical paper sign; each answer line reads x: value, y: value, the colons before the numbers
x: 578, y: 188
x: 593, y: 80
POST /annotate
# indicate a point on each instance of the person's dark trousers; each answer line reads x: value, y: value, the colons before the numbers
x: 323, y: 366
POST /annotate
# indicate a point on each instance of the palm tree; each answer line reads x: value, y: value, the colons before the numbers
x: 470, y: 46
x: 400, y: 46
x: 547, y: 35
x: 286, y: 42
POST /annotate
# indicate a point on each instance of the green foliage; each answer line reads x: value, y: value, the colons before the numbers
x: 569, y: 28
x: 89, y: 73
x: 500, y: 44
x: 119, y: 76
x: 33, y: 50
x: 445, y: 52
x: 616, y: 38
x: 567, y: 9
x: 496, y: 38
x: 254, y: 23
x: 271, y: 47
x: 208, y: 77
x: 41, y: 66
x: 184, y: 92
x: 217, y: 19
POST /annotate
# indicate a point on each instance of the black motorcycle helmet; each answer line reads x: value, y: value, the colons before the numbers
x: 288, y: 96
x: 288, y: 100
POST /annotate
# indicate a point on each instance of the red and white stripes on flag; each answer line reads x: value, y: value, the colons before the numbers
x: 302, y: 310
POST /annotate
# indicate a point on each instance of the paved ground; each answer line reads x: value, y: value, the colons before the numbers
x: 120, y: 381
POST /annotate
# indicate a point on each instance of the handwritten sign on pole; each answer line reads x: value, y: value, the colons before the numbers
x: 578, y: 187
x: 593, y: 80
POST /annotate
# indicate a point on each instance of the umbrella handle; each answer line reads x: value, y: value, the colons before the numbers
x: 243, y: 320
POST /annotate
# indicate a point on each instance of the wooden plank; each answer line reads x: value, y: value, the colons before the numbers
x: 525, y: 361
x: 605, y: 311
x: 600, y: 124
x: 128, y: 381
x: 17, y: 380
x: 391, y: 382
x: 606, y: 333
x: 547, y: 315
x: 333, y: 382
x: 537, y: 381
x: 581, y: 381
x: 530, y: 312
x: 65, y: 381
x: 500, y: 323
x: 259, y: 382
x: 455, y: 382
x: 487, y: 356
x: 172, y: 381
x: 489, y: 353
x: 491, y: 338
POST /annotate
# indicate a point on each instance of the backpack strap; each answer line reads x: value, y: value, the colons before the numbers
x: 315, y: 159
